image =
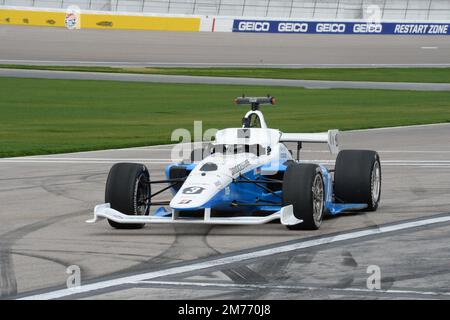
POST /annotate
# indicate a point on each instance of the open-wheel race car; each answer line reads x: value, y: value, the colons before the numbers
x: 246, y: 176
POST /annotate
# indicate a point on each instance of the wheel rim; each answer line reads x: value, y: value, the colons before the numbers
x: 142, y: 197
x: 376, y: 182
x: 317, y: 199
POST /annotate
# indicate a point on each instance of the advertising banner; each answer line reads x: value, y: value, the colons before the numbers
x: 318, y: 27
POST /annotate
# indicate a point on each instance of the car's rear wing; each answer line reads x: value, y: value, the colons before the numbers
x: 330, y: 137
x: 255, y: 102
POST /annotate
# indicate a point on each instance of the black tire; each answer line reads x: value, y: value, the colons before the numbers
x: 125, y: 192
x: 178, y: 172
x: 298, y: 183
x: 355, y: 178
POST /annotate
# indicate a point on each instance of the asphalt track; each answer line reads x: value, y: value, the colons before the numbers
x: 58, y: 46
x: 46, y: 199
x: 310, y: 84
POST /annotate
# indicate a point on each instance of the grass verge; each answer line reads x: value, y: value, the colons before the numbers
x: 39, y: 116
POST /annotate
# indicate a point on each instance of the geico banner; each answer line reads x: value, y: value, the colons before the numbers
x: 272, y: 26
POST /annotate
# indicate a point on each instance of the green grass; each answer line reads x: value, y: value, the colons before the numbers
x: 424, y: 75
x: 40, y: 116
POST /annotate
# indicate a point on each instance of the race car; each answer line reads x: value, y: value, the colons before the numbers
x: 246, y: 176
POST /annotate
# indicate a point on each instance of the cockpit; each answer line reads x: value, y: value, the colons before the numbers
x: 252, y: 120
x: 233, y: 149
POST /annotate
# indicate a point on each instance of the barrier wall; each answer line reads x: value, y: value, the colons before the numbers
x: 340, y: 27
x: 395, y: 10
x: 60, y: 18
x: 107, y: 20
x: 32, y: 18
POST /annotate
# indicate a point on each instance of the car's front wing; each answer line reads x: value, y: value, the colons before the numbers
x: 104, y: 211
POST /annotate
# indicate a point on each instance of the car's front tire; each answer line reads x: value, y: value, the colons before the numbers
x: 357, y: 178
x: 128, y: 191
x: 304, y: 189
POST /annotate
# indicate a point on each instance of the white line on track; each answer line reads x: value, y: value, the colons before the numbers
x: 80, y: 162
x: 34, y: 160
x: 386, y: 151
x: 287, y: 287
x: 219, y: 262
x: 389, y: 151
x: 216, y: 64
x: 43, y: 159
x: 50, y: 160
x: 414, y: 126
x: 412, y: 151
x: 429, y: 48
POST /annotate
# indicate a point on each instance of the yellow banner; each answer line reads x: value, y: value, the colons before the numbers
x: 32, y: 18
x: 99, y: 21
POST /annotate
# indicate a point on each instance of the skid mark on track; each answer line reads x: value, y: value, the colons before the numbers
x: 183, y: 239
x: 260, y: 273
x: 348, y: 260
x: 59, y: 189
x: 240, y: 258
x: 8, y: 282
x: 87, y: 252
x: 238, y: 274
x: 60, y: 262
x: 309, y: 290
x: 195, y: 238
x: 49, y: 184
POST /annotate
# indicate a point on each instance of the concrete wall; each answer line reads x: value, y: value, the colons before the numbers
x: 97, y: 19
x: 209, y: 23
x: 400, y: 10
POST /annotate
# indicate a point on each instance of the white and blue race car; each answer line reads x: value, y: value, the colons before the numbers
x: 246, y: 176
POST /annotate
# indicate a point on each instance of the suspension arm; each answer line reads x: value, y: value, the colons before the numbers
x: 258, y: 184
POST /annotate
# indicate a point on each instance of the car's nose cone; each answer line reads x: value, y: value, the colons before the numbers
x: 199, y: 189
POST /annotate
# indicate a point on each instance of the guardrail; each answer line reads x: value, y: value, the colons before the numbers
x: 425, y: 10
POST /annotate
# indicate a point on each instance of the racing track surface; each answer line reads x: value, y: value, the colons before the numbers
x: 46, y: 199
x: 58, y: 46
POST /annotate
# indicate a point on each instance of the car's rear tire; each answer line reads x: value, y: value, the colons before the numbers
x: 357, y: 178
x: 304, y: 189
x: 128, y: 191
